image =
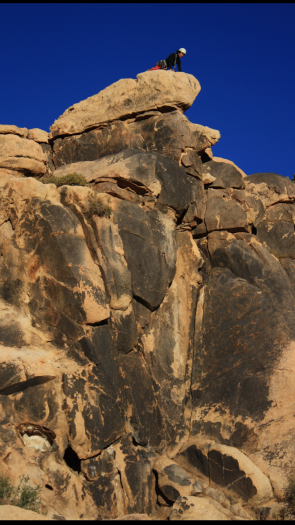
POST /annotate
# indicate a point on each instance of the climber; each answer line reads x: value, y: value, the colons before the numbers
x: 171, y: 61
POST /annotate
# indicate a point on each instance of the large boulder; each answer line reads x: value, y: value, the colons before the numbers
x: 274, y: 224
x: 174, y: 481
x: 225, y: 210
x: 24, y: 151
x: 146, y: 174
x: 36, y: 134
x: 276, y: 230
x: 226, y: 467
x: 170, y: 134
x: 270, y: 188
x: 224, y: 175
x: 226, y: 161
x: 151, y: 90
x: 19, y: 155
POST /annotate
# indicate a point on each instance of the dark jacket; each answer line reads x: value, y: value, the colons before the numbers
x: 172, y: 59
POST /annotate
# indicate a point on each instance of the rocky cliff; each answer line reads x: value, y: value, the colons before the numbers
x: 147, y: 351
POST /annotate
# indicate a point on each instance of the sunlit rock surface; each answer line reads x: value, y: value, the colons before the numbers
x: 147, y: 351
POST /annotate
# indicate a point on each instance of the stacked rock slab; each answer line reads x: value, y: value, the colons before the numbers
x: 147, y: 353
x: 23, y: 151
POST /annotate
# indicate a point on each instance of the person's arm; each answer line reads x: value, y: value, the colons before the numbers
x: 178, y: 63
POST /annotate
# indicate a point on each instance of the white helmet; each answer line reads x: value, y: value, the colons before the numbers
x: 182, y: 50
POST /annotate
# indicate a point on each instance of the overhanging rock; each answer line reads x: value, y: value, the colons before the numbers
x: 127, y: 97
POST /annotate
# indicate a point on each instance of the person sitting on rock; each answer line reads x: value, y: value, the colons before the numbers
x: 171, y: 61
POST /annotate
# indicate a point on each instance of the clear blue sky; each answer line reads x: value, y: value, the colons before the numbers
x: 54, y: 55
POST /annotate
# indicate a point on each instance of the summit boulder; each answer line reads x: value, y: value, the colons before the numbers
x: 151, y: 90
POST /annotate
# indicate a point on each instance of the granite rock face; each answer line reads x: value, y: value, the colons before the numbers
x: 21, y: 156
x: 150, y: 91
x: 170, y: 134
x: 147, y: 346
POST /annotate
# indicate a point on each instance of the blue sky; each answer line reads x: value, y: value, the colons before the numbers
x: 54, y: 55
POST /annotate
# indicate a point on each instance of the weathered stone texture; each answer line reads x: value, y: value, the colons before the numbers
x: 223, y: 175
x: 21, y: 155
x: 147, y: 346
x: 170, y: 134
x: 224, y: 211
x: 150, y: 90
x: 167, y: 340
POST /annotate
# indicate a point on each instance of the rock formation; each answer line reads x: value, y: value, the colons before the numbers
x: 147, y: 354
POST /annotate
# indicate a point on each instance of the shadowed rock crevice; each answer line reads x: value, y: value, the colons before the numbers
x: 23, y: 385
x: 105, y: 322
x: 72, y: 459
x: 160, y: 494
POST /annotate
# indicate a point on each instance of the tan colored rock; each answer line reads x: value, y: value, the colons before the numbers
x: 226, y: 161
x: 64, y: 499
x: 24, y: 165
x: 134, y: 517
x: 107, y: 244
x: 209, y: 152
x: 174, y: 481
x: 138, y: 170
x: 138, y: 482
x: 212, y: 135
x: 167, y: 339
x: 192, y: 508
x: 5, y: 172
x: 221, y: 508
x: 19, y: 319
x: 21, y: 155
x: 276, y: 433
x: 21, y: 190
x: 230, y: 468
x: 170, y: 134
x: 163, y: 513
x: 151, y: 90
x: 270, y: 188
x: 43, y: 368
x: 238, y: 510
x: 86, y: 279
x: 38, y: 135
x: 6, y: 231
x: 12, y: 513
x: 14, y: 130
x: 119, y: 282
x: 112, y: 188
x: 218, y: 496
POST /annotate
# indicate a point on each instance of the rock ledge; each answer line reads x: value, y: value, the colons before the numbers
x: 127, y: 97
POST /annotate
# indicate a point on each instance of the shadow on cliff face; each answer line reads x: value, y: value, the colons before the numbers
x: 248, y: 319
